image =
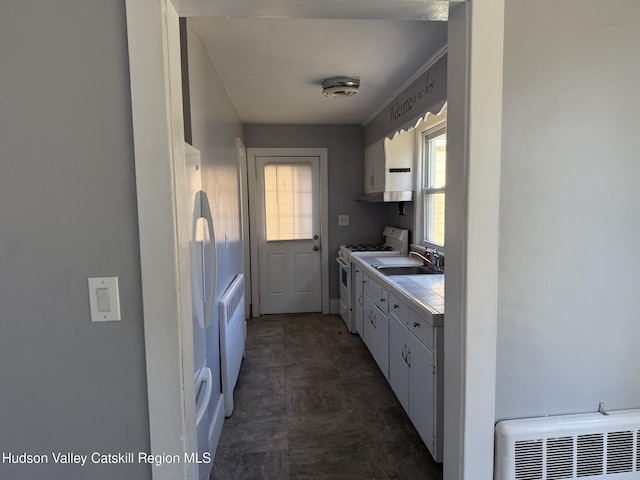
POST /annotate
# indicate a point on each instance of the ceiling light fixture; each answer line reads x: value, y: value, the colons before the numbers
x: 340, y: 87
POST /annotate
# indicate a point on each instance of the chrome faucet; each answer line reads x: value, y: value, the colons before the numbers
x: 435, y: 261
x: 412, y: 252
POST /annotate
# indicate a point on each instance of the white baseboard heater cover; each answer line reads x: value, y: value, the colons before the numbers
x: 232, y: 337
x: 583, y: 446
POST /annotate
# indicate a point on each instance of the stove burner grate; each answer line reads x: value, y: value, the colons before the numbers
x: 368, y: 247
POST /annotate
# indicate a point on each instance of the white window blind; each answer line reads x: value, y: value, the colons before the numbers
x: 434, y: 187
x: 288, y: 201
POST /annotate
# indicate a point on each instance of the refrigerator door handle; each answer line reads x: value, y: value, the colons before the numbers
x: 205, y: 212
x: 204, y: 403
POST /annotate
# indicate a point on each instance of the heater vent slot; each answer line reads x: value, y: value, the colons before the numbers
x: 529, y: 460
x: 559, y: 458
x: 590, y: 455
x: 620, y: 452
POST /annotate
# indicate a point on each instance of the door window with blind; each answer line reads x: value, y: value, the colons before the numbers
x: 433, y: 185
x: 288, y: 201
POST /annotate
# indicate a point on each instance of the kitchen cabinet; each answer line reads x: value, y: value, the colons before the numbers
x: 377, y: 292
x: 405, y: 337
x: 419, y: 326
x: 358, y: 301
x: 384, y: 157
x: 398, y: 367
x: 412, y: 372
x: 421, y: 363
x: 374, y: 167
x: 376, y: 333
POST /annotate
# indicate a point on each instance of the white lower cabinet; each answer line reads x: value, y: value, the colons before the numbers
x: 398, y: 368
x: 376, y: 334
x: 422, y: 398
x: 412, y: 368
x: 358, y: 302
x: 408, y: 349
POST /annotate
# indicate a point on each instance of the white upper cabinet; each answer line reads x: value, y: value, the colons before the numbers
x: 374, y: 168
x: 389, y: 164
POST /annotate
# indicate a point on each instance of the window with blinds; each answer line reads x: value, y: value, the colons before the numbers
x: 288, y: 201
x: 433, y: 193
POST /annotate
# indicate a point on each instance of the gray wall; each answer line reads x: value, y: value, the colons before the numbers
x: 404, y: 218
x: 346, y: 181
x: 215, y: 126
x: 426, y: 92
x: 569, y: 265
x: 68, y: 212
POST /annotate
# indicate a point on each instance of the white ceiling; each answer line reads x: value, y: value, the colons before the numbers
x: 272, y: 55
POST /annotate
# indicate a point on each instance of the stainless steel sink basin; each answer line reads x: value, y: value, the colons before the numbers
x: 407, y: 270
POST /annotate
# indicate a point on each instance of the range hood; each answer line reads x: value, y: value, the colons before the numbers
x: 387, y: 196
x: 389, y: 166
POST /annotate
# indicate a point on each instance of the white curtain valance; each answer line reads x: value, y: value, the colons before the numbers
x: 436, y: 109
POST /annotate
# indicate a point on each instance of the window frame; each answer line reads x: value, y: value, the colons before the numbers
x: 423, y: 136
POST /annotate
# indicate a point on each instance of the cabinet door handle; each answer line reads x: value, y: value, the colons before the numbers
x: 382, y: 300
x: 395, y: 305
x: 409, y: 357
x: 416, y: 324
x: 404, y: 354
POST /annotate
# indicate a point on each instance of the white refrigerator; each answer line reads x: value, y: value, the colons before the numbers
x: 203, y: 279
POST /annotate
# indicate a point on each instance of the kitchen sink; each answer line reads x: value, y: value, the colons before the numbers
x: 407, y: 270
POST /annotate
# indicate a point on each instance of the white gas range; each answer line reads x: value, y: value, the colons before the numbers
x: 396, y: 243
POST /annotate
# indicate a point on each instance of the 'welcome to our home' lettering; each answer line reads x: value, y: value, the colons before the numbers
x: 397, y: 110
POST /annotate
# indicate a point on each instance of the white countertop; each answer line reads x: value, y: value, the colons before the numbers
x: 425, y: 292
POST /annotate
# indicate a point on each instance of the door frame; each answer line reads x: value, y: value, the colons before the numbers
x: 158, y: 141
x: 470, y: 336
x: 322, y: 153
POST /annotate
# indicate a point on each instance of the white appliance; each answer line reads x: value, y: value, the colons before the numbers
x: 581, y: 446
x: 396, y: 243
x: 203, y: 278
x: 233, y: 331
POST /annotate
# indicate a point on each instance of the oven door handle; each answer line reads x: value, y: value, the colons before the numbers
x: 342, y: 262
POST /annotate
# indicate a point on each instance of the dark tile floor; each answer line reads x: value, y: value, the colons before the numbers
x: 312, y: 404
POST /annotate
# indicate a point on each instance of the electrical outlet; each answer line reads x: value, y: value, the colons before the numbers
x: 343, y: 220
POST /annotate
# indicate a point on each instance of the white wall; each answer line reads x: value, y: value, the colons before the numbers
x: 68, y: 212
x: 568, y: 324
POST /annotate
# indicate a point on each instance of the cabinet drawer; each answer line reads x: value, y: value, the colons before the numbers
x: 378, y: 294
x: 376, y: 334
x: 398, y: 308
x: 421, y: 328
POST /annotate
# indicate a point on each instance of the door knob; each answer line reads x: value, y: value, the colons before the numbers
x: 316, y: 248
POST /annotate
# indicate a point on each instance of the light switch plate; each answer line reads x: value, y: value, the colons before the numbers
x: 104, y: 299
x: 343, y: 220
